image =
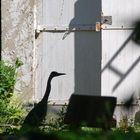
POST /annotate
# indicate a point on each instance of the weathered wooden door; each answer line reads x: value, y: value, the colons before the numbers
x: 120, y: 60
x: 71, y: 43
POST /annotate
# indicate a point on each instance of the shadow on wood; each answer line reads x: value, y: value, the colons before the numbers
x: 91, y: 111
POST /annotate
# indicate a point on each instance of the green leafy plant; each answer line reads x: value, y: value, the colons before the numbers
x: 7, y: 80
x: 11, y: 111
x: 55, y: 123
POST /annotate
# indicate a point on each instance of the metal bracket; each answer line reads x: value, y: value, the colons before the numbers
x: 90, y: 27
x: 45, y: 28
x: 106, y: 20
x: 98, y: 27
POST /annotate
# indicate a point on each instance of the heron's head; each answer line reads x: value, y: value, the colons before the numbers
x: 55, y: 74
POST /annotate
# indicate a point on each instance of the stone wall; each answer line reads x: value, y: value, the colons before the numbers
x: 18, y: 41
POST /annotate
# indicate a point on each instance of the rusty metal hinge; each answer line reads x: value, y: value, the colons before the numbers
x: 98, y: 27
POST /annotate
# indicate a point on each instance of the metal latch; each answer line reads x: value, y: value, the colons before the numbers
x: 67, y: 29
x: 82, y: 27
x: 106, y: 20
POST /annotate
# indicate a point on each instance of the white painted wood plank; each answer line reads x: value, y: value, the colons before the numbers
x: 78, y: 54
x: 58, y: 55
x: 124, y: 12
x: 129, y: 56
x: 74, y: 12
x: 58, y: 12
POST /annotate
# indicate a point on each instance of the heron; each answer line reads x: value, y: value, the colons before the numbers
x: 38, y: 113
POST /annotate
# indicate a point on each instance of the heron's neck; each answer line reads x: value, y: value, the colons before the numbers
x: 48, y: 89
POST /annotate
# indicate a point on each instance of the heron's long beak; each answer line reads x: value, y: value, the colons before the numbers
x: 61, y: 74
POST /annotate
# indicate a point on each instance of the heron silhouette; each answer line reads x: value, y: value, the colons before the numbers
x: 38, y: 113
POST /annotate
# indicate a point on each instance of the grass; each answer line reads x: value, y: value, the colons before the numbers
x: 85, y: 133
x: 93, y: 134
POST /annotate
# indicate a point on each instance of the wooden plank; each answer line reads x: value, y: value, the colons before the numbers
x: 76, y: 53
x: 124, y: 12
x: 120, y: 74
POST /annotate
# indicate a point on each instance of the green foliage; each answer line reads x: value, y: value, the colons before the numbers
x: 11, y: 111
x: 137, y: 127
x: 96, y: 136
x: 82, y: 135
x: 7, y: 80
x: 56, y: 123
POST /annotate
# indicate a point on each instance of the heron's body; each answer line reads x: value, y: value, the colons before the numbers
x: 38, y: 113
